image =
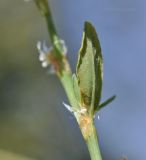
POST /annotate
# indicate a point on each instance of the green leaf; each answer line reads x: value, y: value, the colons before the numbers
x: 76, y: 88
x: 109, y: 100
x: 89, y: 69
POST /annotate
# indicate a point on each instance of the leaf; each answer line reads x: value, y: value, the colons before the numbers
x: 76, y: 88
x: 109, y: 100
x: 89, y: 69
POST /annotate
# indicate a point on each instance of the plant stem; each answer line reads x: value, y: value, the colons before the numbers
x: 45, y: 11
x: 53, y: 33
x: 66, y: 80
x: 92, y: 144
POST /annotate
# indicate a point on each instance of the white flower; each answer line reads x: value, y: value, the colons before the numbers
x: 63, y: 45
x: 44, y: 51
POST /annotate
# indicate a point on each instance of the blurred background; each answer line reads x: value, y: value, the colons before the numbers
x: 33, y: 121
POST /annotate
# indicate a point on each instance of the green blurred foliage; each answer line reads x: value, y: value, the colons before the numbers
x: 5, y: 155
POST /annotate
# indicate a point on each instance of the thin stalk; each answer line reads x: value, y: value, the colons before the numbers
x: 92, y: 144
x: 66, y: 79
x: 53, y: 33
x: 45, y: 11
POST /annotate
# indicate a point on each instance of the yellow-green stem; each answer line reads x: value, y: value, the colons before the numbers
x: 92, y: 144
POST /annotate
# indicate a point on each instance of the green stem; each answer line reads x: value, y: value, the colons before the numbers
x: 66, y: 77
x: 93, y: 146
x: 45, y: 11
x: 51, y: 27
x: 66, y: 80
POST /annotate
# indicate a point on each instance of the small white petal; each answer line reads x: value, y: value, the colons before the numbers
x: 68, y: 107
x: 39, y: 45
x: 45, y: 48
x: 62, y: 42
x: 98, y: 117
x: 44, y: 64
x: 42, y: 57
x: 64, y: 47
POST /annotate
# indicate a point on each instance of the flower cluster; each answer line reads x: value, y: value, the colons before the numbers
x: 44, y: 53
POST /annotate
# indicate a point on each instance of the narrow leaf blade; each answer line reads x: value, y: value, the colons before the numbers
x: 109, y: 100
